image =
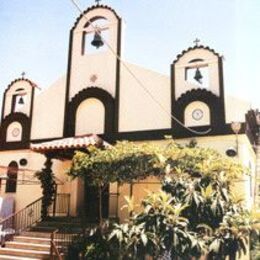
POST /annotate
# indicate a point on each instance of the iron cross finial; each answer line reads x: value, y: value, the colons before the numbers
x: 196, y: 41
x: 97, y: 1
x: 23, y: 74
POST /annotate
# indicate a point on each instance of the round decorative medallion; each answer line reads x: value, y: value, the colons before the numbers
x: 197, y: 114
x: 23, y: 162
x: 15, y: 132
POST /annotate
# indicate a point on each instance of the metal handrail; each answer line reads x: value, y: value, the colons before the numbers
x: 31, y: 214
x: 61, y: 239
x: 54, y: 251
x: 21, y: 220
x: 20, y: 210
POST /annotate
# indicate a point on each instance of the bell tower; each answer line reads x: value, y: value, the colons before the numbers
x: 198, y: 88
x: 17, y: 111
x: 93, y: 66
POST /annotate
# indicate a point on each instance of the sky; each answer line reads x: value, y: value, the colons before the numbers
x: 34, y: 37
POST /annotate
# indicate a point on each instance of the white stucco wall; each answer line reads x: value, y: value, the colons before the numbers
x: 236, y: 108
x: 90, y: 117
x: 25, y: 192
x: 48, y: 111
x: 138, y: 111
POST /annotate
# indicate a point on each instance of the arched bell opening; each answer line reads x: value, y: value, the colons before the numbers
x: 95, y: 35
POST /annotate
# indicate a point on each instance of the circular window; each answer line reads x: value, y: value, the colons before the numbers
x: 23, y: 162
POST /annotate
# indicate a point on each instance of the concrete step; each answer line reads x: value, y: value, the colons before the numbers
x: 43, y: 229
x: 65, y: 219
x: 66, y: 229
x: 9, y: 257
x: 33, y: 240
x: 58, y: 224
x: 27, y: 246
x: 36, y: 234
x: 24, y: 253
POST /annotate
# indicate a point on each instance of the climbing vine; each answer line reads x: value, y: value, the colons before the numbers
x: 127, y: 161
x: 48, y: 185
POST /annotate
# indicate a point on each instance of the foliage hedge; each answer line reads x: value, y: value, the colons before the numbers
x: 196, y: 212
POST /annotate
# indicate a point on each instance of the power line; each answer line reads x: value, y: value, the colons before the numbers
x: 135, y: 77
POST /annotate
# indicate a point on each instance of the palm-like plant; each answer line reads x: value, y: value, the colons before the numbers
x: 159, y: 228
x: 211, y: 208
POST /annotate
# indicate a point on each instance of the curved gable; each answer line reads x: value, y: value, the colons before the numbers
x: 91, y: 92
x: 25, y: 123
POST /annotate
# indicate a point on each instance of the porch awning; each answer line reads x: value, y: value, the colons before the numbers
x: 71, y: 143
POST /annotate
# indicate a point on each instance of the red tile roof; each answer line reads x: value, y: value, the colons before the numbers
x: 69, y: 143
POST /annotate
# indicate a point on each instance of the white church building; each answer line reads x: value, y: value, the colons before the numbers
x: 102, y: 97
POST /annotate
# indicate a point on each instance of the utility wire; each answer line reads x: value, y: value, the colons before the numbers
x: 136, y: 78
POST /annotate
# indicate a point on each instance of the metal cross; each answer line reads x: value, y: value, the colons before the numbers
x: 196, y: 41
x: 97, y: 1
x: 23, y: 74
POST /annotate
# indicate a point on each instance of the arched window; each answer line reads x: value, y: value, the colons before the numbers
x: 11, y: 182
x: 90, y: 117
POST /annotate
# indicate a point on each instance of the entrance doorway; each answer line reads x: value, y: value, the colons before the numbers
x: 92, y: 202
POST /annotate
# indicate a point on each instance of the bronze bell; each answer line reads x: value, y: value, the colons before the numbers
x: 198, y: 76
x: 21, y: 101
x: 97, y: 40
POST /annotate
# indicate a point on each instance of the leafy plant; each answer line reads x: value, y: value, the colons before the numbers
x: 158, y: 230
x: 127, y: 161
x: 195, y: 213
x: 48, y: 186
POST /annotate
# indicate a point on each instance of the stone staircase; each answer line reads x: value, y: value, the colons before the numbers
x: 34, y: 243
